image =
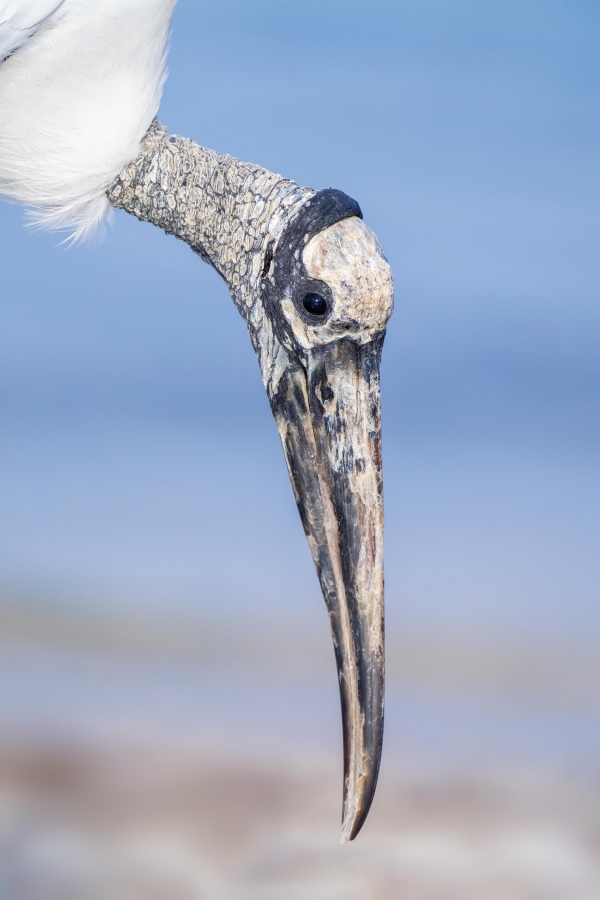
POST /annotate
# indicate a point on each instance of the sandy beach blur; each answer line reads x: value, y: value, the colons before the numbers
x: 146, y: 763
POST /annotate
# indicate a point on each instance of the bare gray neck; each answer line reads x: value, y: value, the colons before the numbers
x: 226, y: 210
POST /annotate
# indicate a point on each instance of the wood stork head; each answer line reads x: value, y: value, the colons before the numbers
x: 328, y: 294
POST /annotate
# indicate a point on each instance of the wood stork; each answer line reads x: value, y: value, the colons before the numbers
x: 80, y: 85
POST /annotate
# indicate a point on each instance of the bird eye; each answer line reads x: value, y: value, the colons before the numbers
x: 315, y: 304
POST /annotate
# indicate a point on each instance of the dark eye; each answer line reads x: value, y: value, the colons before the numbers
x: 315, y: 304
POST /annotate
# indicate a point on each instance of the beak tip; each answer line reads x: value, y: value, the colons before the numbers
x: 358, y: 798
x: 351, y: 828
x: 348, y: 832
x: 354, y: 818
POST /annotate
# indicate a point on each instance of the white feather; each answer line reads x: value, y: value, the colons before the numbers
x: 18, y: 21
x: 75, y: 102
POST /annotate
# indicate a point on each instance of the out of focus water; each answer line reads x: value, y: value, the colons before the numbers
x: 180, y: 519
x: 68, y: 689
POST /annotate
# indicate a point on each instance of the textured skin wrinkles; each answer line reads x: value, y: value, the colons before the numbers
x: 226, y: 210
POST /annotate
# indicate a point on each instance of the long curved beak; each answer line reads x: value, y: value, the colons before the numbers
x: 328, y: 415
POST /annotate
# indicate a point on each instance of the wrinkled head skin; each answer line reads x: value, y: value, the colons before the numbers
x: 346, y: 258
x: 327, y: 289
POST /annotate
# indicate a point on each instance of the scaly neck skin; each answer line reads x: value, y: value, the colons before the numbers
x: 226, y: 210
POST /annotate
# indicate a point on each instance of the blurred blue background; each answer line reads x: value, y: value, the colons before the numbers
x: 140, y: 465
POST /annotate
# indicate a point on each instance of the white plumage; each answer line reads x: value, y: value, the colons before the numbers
x: 78, y: 91
x: 18, y: 21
